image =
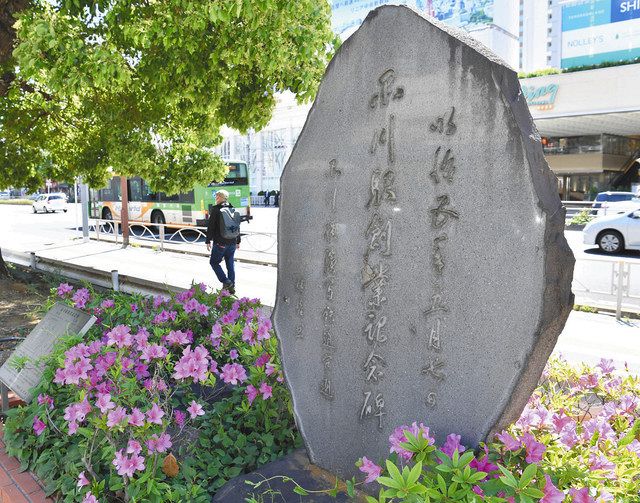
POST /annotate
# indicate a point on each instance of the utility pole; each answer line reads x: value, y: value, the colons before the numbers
x: 124, y: 211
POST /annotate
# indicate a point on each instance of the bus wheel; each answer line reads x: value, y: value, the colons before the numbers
x: 106, y: 215
x: 157, y: 218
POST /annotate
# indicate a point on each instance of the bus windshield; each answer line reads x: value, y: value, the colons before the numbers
x: 237, y: 175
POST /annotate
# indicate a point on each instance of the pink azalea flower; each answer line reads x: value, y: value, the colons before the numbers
x: 602, y: 463
x: 551, y: 493
x: 398, y: 437
x: 80, y: 298
x: 193, y: 364
x: 177, y: 337
x: 629, y: 404
x: 45, y: 400
x: 158, y: 300
x: 38, y: 426
x: 483, y: 464
x: 233, y: 373
x: 233, y: 354
x: 202, y: 310
x: 107, y: 303
x: 265, y: 389
x: 634, y: 447
x: 568, y: 437
x: 270, y: 369
x: 216, y: 332
x: 90, y: 498
x: 559, y: 421
x: 154, y: 415
x: 606, y: 366
x: 179, y: 417
x: 116, y: 416
x: 509, y: 442
x: 195, y: 409
x: 120, y: 336
x: 478, y: 490
x: 160, y: 443
x: 589, y: 381
x: 136, y: 418
x: 452, y: 444
x: 372, y: 470
x: 134, y: 307
x: 534, y: 449
x: 153, y: 351
x: 82, y: 480
x: 581, y: 495
x: 134, y: 447
x: 251, y: 392
x: 104, y: 402
x: 248, y: 335
x: 262, y: 360
x: 64, y: 289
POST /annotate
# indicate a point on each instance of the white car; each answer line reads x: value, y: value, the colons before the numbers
x: 614, y: 233
x: 5, y: 194
x: 612, y: 203
x: 50, y: 202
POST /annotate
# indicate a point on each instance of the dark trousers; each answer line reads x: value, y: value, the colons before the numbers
x: 226, y: 252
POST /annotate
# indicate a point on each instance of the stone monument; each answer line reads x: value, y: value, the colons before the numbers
x: 59, y: 320
x: 423, y: 274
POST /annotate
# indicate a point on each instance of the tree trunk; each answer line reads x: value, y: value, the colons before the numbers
x: 124, y: 211
x: 4, y: 272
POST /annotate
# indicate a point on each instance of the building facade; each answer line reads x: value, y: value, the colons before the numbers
x: 589, y: 120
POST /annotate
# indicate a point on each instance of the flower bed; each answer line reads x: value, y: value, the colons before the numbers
x: 113, y: 404
x: 167, y: 398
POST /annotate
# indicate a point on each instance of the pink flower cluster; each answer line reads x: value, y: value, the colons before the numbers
x: 252, y: 392
x: 64, y: 289
x: 398, y: 437
x: 534, y: 449
x: 193, y: 363
x: 80, y: 298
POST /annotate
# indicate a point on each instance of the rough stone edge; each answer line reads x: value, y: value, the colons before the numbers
x: 557, y: 301
x: 554, y: 315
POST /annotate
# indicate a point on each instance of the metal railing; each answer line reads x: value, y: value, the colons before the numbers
x: 164, y: 234
x: 611, y: 285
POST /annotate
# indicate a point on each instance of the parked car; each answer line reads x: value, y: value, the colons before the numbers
x: 5, y: 194
x: 50, y: 202
x: 614, y: 233
x: 608, y: 203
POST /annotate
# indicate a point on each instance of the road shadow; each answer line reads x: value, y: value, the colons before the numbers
x: 634, y: 254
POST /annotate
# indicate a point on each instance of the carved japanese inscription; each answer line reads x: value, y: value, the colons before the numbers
x: 421, y: 248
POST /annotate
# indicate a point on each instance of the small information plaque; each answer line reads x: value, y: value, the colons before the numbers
x: 60, y: 320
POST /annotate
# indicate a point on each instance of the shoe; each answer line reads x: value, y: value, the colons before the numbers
x: 227, y: 285
x: 232, y: 288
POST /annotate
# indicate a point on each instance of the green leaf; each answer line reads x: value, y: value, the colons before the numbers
x: 299, y: 490
x: 414, y: 474
x: 350, y: 488
x: 528, y: 474
x: 533, y: 492
x: 389, y: 482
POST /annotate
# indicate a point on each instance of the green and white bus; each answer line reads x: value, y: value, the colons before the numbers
x: 186, y: 209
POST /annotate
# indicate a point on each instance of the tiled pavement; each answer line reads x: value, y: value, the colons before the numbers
x: 16, y: 486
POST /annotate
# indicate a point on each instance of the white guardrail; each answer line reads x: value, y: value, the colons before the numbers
x: 601, y: 283
x: 189, y: 238
x: 607, y: 284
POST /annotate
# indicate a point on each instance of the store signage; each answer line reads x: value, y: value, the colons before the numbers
x: 541, y: 97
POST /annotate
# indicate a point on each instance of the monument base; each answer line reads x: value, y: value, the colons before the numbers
x: 296, y: 466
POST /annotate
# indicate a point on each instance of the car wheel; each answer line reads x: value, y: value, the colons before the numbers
x: 46, y: 210
x: 34, y: 209
x: 611, y: 242
x: 64, y: 211
x: 106, y: 214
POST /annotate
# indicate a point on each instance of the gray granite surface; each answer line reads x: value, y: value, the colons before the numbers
x: 59, y: 320
x: 423, y: 273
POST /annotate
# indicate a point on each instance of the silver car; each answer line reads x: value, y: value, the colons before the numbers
x: 614, y: 233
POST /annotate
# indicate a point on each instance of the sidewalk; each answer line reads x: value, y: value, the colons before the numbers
x: 586, y: 337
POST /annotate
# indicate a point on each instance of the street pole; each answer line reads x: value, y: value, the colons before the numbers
x: 124, y: 211
x: 75, y: 198
x: 84, y: 200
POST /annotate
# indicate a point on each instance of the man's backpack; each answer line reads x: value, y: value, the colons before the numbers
x: 229, y: 223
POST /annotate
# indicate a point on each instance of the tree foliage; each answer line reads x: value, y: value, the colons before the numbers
x: 143, y: 87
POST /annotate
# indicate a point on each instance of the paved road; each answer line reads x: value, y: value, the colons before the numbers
x: 595, y: 275
x: 587, y: 337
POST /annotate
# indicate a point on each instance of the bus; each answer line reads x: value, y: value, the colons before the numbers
x: 186, y: 209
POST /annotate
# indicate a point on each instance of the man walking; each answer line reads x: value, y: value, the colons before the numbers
x: 222, y: 247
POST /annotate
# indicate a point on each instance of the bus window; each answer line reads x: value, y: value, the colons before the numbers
x: 147, y: 193
x: 164, y: 198
x: 135, y: 189
x: 237, y: 170
x: 187, y: 197
x: 116, y: 190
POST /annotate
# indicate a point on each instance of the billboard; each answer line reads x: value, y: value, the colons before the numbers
x: 462, y: 13
x: 595, y: 31
x: 348, y: 15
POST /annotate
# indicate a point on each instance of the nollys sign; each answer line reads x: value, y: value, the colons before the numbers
x: 541, y: 97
